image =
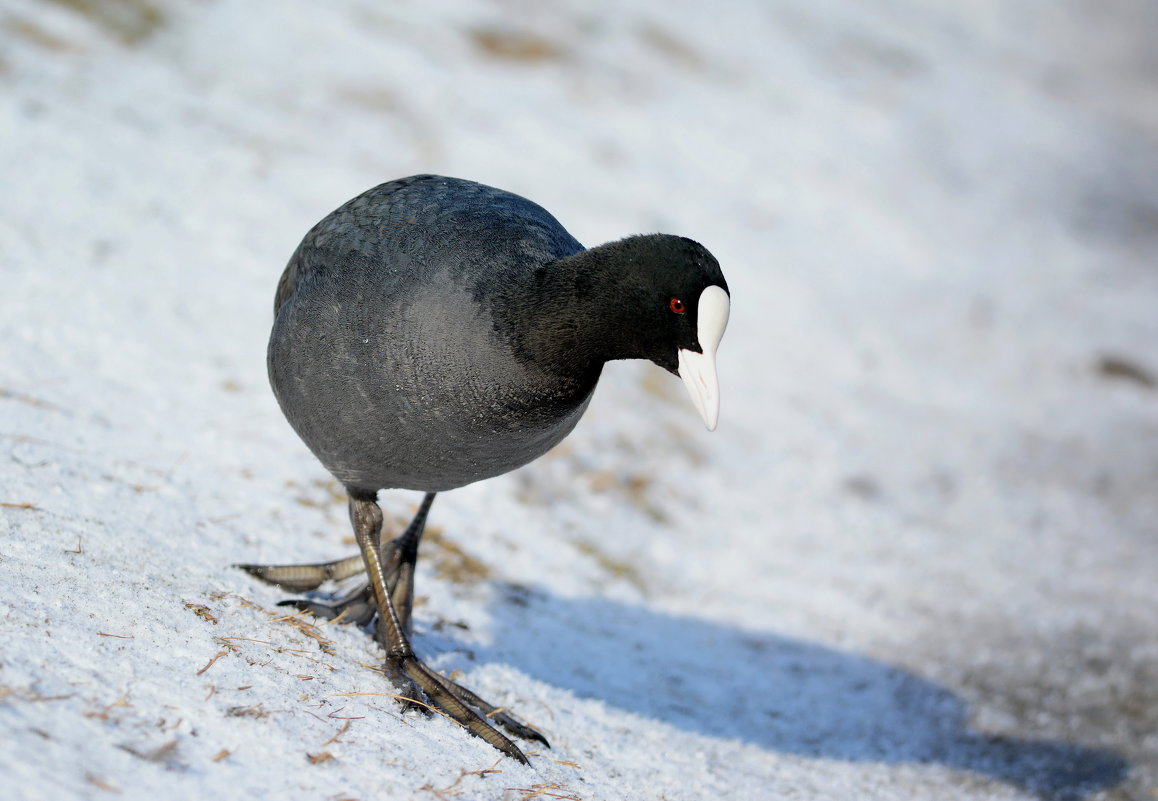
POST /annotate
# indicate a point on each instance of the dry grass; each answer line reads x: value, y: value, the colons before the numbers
x: 165, y: 754
x: 202, y: 611
x: 251, y: 711
x: 635, y: 488
x: 130, y: 22
x: 1119, y: 368
x: 297, y: 621
x: 671, y: 46
x: 10, y: 694
x: 211, y: 662
x: 452, y: 790
x: 322, y: 493
x: 36, y: 35
x: 101, y: 784
x: 451, y: 562
x: 337, y: 738
x: 514, y: 45
x: 28, y: 400
x: 616, y: 568
x: 238, y: 645
x: 557, y: 791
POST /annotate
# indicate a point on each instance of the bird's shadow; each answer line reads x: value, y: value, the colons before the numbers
x: 777, y: 692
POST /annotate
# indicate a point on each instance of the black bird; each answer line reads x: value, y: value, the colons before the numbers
x: 433, y: 332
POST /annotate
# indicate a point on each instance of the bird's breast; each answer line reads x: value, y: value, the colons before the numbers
x: 422, y: 393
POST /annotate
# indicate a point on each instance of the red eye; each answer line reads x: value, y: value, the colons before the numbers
x: 677, y: 306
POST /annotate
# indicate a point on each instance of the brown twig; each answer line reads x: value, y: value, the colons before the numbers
x: 202, y: 611
x: 97, y: 781
x: 210, y: 663
x: 405, y: 698
x: 345, y: 728
x: 308, y: 629
x: 544, y: 791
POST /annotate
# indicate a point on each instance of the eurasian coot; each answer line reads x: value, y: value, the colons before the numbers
x: 433, y: 332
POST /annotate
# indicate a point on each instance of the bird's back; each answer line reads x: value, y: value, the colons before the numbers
x: 394, y: 352
x: 429, y: 222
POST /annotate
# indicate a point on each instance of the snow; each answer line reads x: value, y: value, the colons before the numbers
x: 916, y: 560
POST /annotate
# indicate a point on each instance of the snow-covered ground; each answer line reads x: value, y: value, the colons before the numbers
x: 916, y: 561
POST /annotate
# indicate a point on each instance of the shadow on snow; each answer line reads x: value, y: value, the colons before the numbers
x: 776, y: 692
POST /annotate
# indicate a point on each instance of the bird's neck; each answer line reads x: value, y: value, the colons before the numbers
x: 581, y: 309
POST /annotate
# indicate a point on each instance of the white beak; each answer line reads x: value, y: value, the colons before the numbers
x: 698, y: 370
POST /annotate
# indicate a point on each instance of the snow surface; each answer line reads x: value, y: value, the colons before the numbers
x: 916, y: 561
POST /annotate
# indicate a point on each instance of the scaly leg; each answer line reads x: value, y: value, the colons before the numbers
x: 400, y: 659
x: 398, y: 558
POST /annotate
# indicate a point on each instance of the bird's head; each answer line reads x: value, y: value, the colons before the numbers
x: 679, y: 306
x: 696, y: 306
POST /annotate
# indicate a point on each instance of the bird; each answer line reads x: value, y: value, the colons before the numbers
x: 433, y: 332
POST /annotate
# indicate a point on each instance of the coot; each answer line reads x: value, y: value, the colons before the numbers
x: 433, y: 332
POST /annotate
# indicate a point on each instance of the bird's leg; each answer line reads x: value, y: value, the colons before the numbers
x: 399, y: 557
x: 394, y: 564
x: 443, y: 694
x: 366, y: 518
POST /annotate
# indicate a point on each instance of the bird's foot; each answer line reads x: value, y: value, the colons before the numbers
x: 387, y: 601
x: 303, y: 578
x: 498, y: 714
x: 356, y: 607
x: 465, y: 707
x: 418, y: 687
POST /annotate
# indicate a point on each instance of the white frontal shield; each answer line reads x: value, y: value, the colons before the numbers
x: 698, y: 370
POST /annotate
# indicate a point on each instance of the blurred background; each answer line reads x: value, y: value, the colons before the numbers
x: 937, y: 464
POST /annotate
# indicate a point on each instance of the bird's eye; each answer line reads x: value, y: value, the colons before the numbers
x: 677, y: 306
